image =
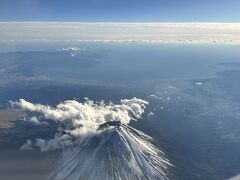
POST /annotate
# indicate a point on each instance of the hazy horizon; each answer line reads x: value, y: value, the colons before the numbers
x: 122, y: 32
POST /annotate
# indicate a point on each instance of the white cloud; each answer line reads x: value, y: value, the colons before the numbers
x: 73, y: 51
x: 36, y: 121
x: 190, y: 33
x: 58, y: 142
x: 27, y: 145
x: 198, y: 83
x: 81, y: 119
x: 154, y: 96
x: 150, y: 114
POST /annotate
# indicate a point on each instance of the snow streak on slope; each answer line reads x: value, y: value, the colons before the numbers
x: 97, y: 142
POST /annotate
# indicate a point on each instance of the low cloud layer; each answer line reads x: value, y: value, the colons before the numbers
x: 122, y: 32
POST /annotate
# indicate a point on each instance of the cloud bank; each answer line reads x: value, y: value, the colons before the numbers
x: 191, y: 33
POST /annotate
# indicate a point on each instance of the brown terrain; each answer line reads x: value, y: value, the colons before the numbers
x: 9, y: 115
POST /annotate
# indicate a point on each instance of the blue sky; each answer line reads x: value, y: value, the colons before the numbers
x: 121, y: 10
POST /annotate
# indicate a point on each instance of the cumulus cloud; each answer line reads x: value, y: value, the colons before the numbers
x: 77, y: 119
x: 198, y: 83
x: 27, y: 145
x: 36, y: 121
x: 73, y: 51
x: 58, y: 142
x: 150, y: 114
